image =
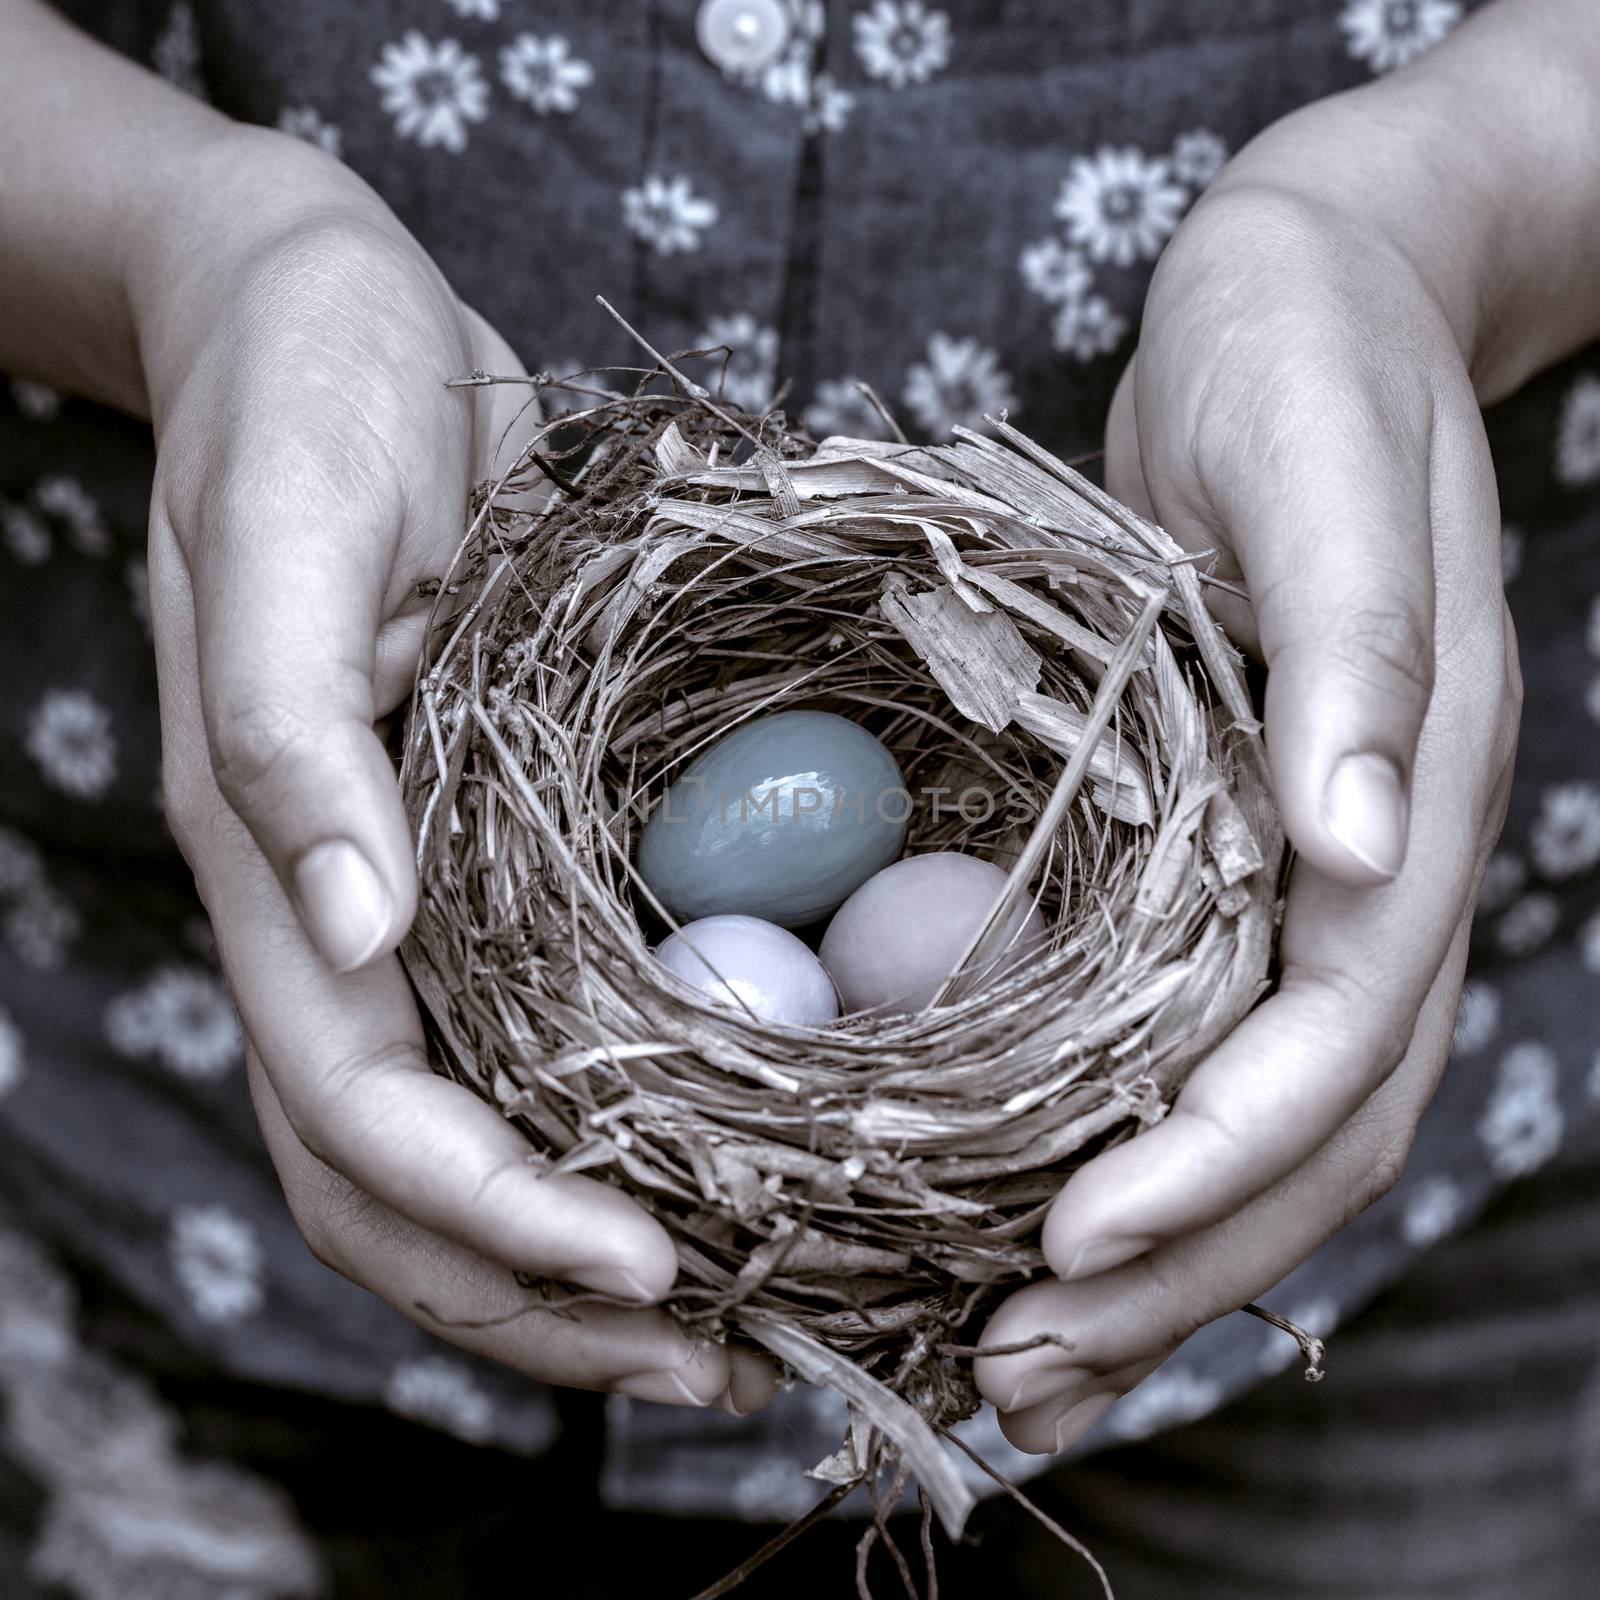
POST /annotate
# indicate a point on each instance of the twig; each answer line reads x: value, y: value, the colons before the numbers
x: 1311, y: 1347
x: 773, y: 1545
x: 1073, y: 1544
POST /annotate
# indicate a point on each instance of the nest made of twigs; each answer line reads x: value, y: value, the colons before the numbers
x: 852, y: 1196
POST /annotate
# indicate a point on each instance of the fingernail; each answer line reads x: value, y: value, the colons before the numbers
x: 1101, y: 1255
x: 665, y: 1388
x: 618, y: 1282
x: 346, y: 908
x: 1364, y: 807
x: 1041, y: 1384
x: 1078, y: 1419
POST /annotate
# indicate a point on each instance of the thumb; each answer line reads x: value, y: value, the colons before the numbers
x: 287, y: 611
x: 1325, y: 506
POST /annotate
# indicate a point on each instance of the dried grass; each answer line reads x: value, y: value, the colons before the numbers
x: 854, y: 1197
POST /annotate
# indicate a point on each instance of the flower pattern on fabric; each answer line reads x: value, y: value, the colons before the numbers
x: 1120, y: 205
x: 218, y: 1262
x: 1477, y: 1018
x: 1512, y: 539
x: 127, y: 1514
x: 901, y: 42
x: 58, y: 504
x: 176, y: 55
x: 39, y: 924
x: 1432, y: 1211
x: 1578, y: 436
x: 12, y: 1050
x: 184, y: 1018
x: 69, y: 736
x: 1504, y: 878
x: 752, y: 367
x: 667, y: 214
x: 1521, y: 1124
x: 1197, y: 157
x: 1388, y: 33
x: 1084, y: 269
x: 306, y: 122
x: 72, y: 506
x: 36, y: 920
x: 442, y: 1394
x: 1088, y: 328
x: 957, y: 383
x: 38, y: 402
x: 793, y: 79
x: 25, y: 534
x: 1168, y: 1398
x: 543, y: 73
x: 137, y: 576
x: 1116, y: 208
x: 1055, y: 272
x: 1527, y: 923
x: 1565, y: 840
x: 1589, y: 943
x: 840, y: 407
x: 432, y: 90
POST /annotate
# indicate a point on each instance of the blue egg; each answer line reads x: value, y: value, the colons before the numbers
x: 782, y: 819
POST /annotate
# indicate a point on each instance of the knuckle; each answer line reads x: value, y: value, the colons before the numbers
x: 1388, y: 647
x: 1164, y: 1305
x: 1381, y: 1175
x: 253, y: 742
x: 191, y: 817
x: 329, y: 1213
x: 352, y: 1113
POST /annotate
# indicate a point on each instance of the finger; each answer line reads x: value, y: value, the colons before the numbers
x: 1318, y: 477
x: 287, y: 563
x: 478, y: 1306
x: 1124, y: 466
x: 348, y: 1059
x: 1124, y: 1323
x: 1355, y: 967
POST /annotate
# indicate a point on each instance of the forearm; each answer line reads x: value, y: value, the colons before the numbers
x: 1523, y: 78
x: 118, y: 194
x: 90, y: 142
x: 1481, y: 162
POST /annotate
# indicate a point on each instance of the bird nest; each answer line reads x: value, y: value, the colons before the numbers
x: 1040, y: 661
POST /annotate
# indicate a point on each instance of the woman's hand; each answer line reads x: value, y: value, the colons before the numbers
x: 312, y: 469
x: 1301, y: 404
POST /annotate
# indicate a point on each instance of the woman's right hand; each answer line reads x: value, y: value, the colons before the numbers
x: 312, y: 469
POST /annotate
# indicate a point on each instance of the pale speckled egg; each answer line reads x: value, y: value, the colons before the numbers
x: 892, y: 944
x: 780, y: 819
x: 746, y: 963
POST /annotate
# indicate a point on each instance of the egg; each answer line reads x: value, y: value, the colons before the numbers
x: 892, y: 944
x: 780, y: 819
x: 753, y: 965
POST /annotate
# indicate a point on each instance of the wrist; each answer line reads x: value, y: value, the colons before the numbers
x: 230, y: 207
x: 1383, y: 172
x: 1490, y: 193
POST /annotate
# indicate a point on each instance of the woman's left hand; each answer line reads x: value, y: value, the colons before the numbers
x: 1301, y: 404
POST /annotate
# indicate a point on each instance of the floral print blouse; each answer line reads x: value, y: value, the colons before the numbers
x: 959, y: 203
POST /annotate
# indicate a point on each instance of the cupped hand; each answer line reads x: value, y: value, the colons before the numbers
x: 312, y: 470
x: 1301, y: 405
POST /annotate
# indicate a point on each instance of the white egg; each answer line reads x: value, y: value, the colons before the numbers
x: 753, y: 965
x: 892, y: 944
